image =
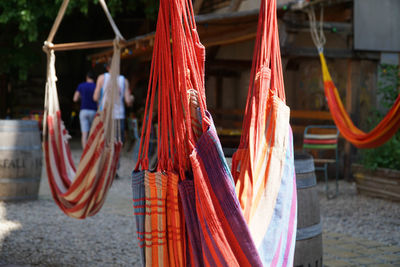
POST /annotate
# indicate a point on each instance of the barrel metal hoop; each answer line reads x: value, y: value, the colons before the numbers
x: 12, y: 198
x: 309, y: 232
x: 23, y: 148
x: 305, y: 180
x: 18, y: 180
x: 304, y: 165
x: 18, y: 130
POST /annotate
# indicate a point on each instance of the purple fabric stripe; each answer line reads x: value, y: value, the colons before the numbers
x: 188, y: 199
x: 221, y: 181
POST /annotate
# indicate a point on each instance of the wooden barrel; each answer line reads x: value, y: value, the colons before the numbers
x: 20, y: 160
x: 309, y: 228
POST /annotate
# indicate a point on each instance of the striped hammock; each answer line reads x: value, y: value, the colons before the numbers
x: 382, y: 132
x: 208, y: 225
x: 263, y: 165
x: 80, y: 192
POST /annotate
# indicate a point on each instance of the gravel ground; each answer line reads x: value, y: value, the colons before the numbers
x: 37, y: 233
x: 360, y: 216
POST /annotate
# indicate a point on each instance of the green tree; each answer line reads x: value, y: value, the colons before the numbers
x: 22, y: 24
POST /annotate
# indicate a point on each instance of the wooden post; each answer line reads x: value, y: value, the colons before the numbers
x: 398, y: 88
x: 219, y: 96
x: 347, y: 146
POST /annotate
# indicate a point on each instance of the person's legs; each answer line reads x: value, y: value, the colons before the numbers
x: 86, y: 119
x: 122, y: 132
x: 84, y: 138
x: 90, y: 115
x: 122, y: 129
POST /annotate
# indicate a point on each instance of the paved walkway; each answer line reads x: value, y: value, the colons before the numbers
x: 342, y: 250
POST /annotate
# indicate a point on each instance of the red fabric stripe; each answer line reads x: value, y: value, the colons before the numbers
x: 318, y: 141
x: 60, y: 149
x: 56, y: 152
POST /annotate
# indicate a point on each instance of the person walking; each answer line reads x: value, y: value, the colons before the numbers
x: 125, y: 97
x: 84, y: 93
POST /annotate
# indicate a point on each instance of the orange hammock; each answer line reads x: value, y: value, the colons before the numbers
x: 377, y: 136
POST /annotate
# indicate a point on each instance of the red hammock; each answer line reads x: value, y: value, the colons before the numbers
x: 377, y: 136
x: 389, y: 125
x: 189, y: 152
x: 263, y: 165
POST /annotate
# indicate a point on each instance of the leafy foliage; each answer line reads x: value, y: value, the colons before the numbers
x: 23, y: 23
x: 387, y: 155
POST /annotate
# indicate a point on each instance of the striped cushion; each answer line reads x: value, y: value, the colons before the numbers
x: 320, y: 141
x: 320, y: 146
x: 320, y: 136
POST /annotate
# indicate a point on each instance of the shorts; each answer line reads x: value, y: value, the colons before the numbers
x: 86, y: 117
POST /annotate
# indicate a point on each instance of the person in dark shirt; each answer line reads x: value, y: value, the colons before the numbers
x: 88, y: 109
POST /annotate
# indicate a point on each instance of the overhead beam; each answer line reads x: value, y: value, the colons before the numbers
x: 328, y: 52
x: 83, y: 45
x: 234, y: 5
x: 338, y: 27
x: 197, y: 6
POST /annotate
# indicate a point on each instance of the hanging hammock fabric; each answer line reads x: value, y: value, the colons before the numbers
x: 80, y: 192
x: 204, y: 225
x: 389, y: 125
x: 263, y: 165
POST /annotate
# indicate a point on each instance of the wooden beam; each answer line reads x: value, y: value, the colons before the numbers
x: 197, y: 6
x: 222, y: 72
x: 239, y: 112
x: 300, y: 5
x: 211, y: 6
x: 234, y: 5
x: 140, y: 45
x: 311, y: 114
x: 219, y: 93
x: 227, y: 17
x: 295, y: 114
x: 347, y: 146
x: 338, y: 27
x: 83, y: 45
x: 235, y: 64
x: 328, y: 52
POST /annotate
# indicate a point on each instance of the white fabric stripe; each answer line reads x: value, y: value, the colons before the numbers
x: 260, y: 220
x: 95, y: 146
x: 62, y: 148
x: 53, y: 166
